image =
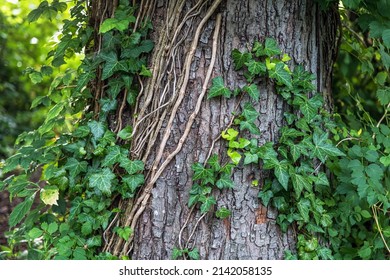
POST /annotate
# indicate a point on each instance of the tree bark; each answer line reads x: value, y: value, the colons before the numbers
x: 159, y: 214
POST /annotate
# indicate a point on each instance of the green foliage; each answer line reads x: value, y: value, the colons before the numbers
x: 299, y: 189
x: 21, y: 45
x: 219, y: 89
x: 208, y: 177
x: 82, y: 166
x: 191, y: 254
x: 124, y: 232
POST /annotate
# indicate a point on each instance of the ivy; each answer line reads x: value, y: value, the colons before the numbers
x: 299, y: 189
x: 84, y: 165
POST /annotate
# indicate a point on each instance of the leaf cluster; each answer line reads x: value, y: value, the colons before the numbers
x: 208, y: 177
x: 83, y: 165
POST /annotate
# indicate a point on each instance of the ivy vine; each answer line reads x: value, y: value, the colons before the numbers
x: 81, y: 154
x: 82, y: 157
x: 300, y: 189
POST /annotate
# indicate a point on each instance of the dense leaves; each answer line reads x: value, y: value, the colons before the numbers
x: 82, y: 164
x: 300, y: 190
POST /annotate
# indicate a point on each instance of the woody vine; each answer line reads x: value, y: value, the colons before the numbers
x: 89, y: 161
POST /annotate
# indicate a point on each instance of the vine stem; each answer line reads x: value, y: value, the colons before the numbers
x: 382, y: 118
x: 374, y: 212
x: 156, y: 171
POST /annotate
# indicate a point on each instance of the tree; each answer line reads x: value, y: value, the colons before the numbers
x: 176, y: 127
x: 196, y: 129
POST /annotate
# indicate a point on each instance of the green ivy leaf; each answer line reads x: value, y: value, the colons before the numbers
x: 365, y: 214
x: 67, y: 42
x: 265, y: 196
x: 307, y: 107
x: 52, y: 228
x: 131, y: 166
x: 281, y: 173
x: 234, y: 156
x: 385, y: 57
x: 194, y: 254
x: 322, y: 148
x: 299, y: 183
x: 214, y: 163
x: 374, y: 171
x: 223, y: 213
x: 133, y: 181
x: 253, y: 91
x: 250, y: 126
x: 258, y: 49
x: 97, y: 129
x: 36, y: 77
x: 289, y: 133
x: 114, y: 23
x: 20, y: 211
x: 256, y: 67
x: 281, y: 75
x: 225, y: 182
x: 202, y: 173
x: 112, y: 64
x: 75, y: 167
x: 240, y: 58
x: 87, y: 227
x: 383, y: 96
x: 102, y: 181
x: 35, y: 14
x: 295, y: 150
x: 250, y: 158
x: 386, y: 38
x: 207, y: 202
x: 303, y: 206
x: 193, y: 200
x: 351, y: 4
x: 124, y: 232
x: 321, y: 179
x: 79, y: 253
x: 95, y: 241
x: 176, y: 253
x: 271, y: 47
x: 218, y: 89
x: 114, y: 155
x: 145, y: 72
x: 249, y: 112
x: 17, y: 184
x: 133, y: 53
x: 385, y: 160
x: 81, y: 131
x: 229, y: 134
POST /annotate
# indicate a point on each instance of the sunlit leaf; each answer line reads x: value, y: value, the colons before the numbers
x: 50, y: 195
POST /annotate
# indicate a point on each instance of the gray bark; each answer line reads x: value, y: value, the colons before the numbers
x: 309, y: 37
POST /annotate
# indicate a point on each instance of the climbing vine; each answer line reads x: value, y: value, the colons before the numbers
x: 328, y: 182
x: 299, y: 188
x: 80, y: 155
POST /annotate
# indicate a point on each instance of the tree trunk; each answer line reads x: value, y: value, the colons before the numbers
x: 185, y: 33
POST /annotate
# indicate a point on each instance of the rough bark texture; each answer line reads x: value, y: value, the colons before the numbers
x: 309, y: 37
